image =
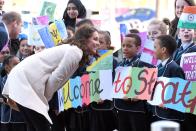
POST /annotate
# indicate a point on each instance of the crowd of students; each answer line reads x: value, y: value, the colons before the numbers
x: 122, y: 114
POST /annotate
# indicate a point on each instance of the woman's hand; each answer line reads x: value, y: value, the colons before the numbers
x: 12, y: 104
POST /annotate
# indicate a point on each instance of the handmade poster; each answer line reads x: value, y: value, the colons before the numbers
x: 46, y: 37
x: 135, y: 13
x: 175, y: 93
x: 106, y: 85
x: 56, y: 37
x: 67, y: 99
x: 104, y: 62
x: 61, y: 29
x: 34, y: 37
x: 134, y: 82
x: 123, y: 31
x: 34, y: 21
x: 131, y: 82
x: 41, y: 20
x: 143, y: 36
x: 48, y: 9
x: 188, y: 64
x: 147, y: 54
x: 60, y: 100
x: 88, y: 88
x: 25, y: 27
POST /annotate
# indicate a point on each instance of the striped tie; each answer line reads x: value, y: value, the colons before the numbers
x: 160, y: 70
x: 179, y: 53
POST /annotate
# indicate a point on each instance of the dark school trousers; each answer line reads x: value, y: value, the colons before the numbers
x: 132, y: 121
x: 13, y: 127
x: 189, y: 122
x: 34, y: 120
x: 57, y: 120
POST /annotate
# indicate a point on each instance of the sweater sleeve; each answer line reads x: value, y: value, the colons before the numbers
x: 67, y: 66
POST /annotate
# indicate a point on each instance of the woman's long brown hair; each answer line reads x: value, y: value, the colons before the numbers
x: 80, y: 39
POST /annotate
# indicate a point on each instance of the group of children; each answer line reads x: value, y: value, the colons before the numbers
x: 166, y: 50
x: 142, y: 114
x: 123, y: 114
x: 10, y: 119
x: 132, y: 114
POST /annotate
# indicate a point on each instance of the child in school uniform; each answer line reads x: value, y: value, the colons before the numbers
x: 105, y: 40
x: 132, y: 114
x: 164, y: 46
x: 187, y: 46
x: 102, y: 115
x: 79, y: 117
x: 25, y: 50
x: 11, y: 120
x: 155, y: 29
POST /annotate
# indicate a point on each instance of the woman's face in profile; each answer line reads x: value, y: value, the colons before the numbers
x: 93, y: 42
x: 72, y: 11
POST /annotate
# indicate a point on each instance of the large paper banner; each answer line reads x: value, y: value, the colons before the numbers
x: 48, y: 9
x: 67, y: 99
x: 88, y: 88
x: 188, y: 63
x: 55, y: 33
x: 46, y: 37
x: 175, y: 93
x: 61, y: 28
x: 104, y: 62
x: 34, y: 37
x: 60, y: 100
x: 133, y: 82
x: 41, y: 20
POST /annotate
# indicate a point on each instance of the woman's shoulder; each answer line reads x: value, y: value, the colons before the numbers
x: 72, y: 48
x: 71, y: 51
x: 63, y: 47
